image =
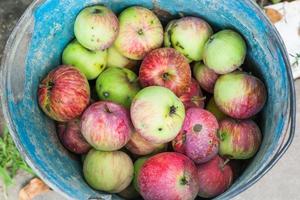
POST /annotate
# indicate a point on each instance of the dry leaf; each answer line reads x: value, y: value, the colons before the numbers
x: 35, y: 187
x: 273, y: 15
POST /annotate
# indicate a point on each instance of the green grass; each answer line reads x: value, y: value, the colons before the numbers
x: 10, y: 160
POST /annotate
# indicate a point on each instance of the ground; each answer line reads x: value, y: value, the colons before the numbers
x: 279, y: 184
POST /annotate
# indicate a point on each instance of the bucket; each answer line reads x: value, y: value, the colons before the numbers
x: 35, y: 47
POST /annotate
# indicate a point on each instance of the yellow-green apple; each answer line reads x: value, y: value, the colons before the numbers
x: 70, y: 136
x: 225, y: 51
x: 108, y: 171
x: 167, y: 33
x: 90, y: 63
x: 214, y: 177
x: 188, y: 35
x: 213, y: 108
x: 116, y: 59
x: 198, y: 138
x: 140, y: 32
x: 96, y: 27
x: 239, y: 95
x: 137, y: 167
x: 168, y: 68
x: 205, y: 76
x: 157, y: 114
x: 239, y: 139
x: 106, y: 126
x: 168, y: 175
x: 64, y: 93
x: 118, y: 85
x: 193, y: 98
x: 140, y: 146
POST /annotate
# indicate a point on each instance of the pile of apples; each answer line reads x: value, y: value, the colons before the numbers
x: 157, y: 118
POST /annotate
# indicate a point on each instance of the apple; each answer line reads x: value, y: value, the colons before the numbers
x: 90, y: 63
x: 64, y: 93
x: 168, y: 68
x: 108, y: 171
x: 214, y: 177
x: 167, y: 33
x: 188, y: 35
x: 116, y: 59
x: 168, y: 175
x: 139, y: 146
x: 197, y: 138
x: 140, y: 32
x: 193, y: 97
x: 205, y: 76
x: 157, y: 114
x: 106, y: 126
x: 118, y: 85
x: 70, y: 136
x: 240, y: 95
x: 96, y: 27
x: 225, y: 51
x: 213, y: 108
x: 239, y: 139
x: 137, y: 167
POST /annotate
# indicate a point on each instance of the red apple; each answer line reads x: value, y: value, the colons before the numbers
x: 239, y: 139
x: 168, y: 68
x: 198, y: 136
x: 240, y: 95
x: 140, y: 146
x: 140, y: 32
x: 70, y: 136
x: 214, y: 177
x: 193, y: 98
x: 205, y: 76
x: 106, y: 126
x: 64, y: 93
x: 168, y: 175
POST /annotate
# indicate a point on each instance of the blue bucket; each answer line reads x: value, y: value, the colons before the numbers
x: 35, y: 47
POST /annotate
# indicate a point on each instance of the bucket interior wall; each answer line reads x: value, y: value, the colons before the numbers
x: 44, y: 33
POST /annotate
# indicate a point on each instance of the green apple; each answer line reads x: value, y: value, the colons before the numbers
x: 225, y: 51
x: 137, y: 166
x: 213, y: 108
x: 188, y: 35
x: 168, y: 33
x: 96, y: 27
x: 157, y: 114
x: 108, y: 171
x: 118, y: 85
x: 90, y: 63
x: 116, y: 59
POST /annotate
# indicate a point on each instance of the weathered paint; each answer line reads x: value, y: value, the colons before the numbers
x: 35, y: 47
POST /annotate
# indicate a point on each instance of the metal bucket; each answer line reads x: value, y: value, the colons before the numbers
x: 35, y: 47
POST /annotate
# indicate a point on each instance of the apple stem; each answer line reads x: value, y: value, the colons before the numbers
x: 197, y: 99
x: 225, y: 162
